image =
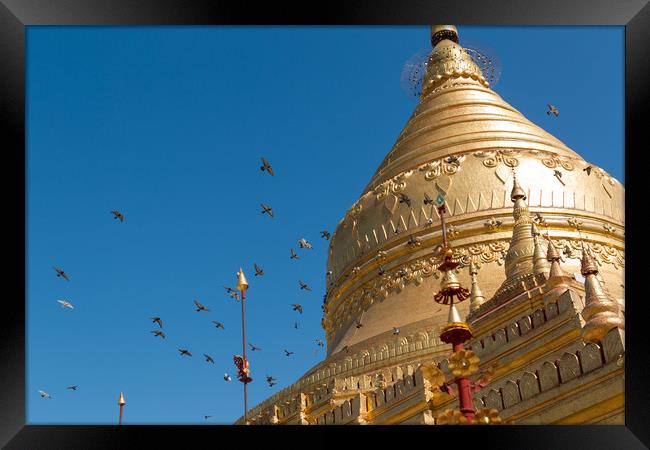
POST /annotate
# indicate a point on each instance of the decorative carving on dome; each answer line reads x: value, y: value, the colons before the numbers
x: 352, y: 216
x: 602, y: 253
x: 574, y: 222
x: 445, y: 166
x: 493, y: 224
x: 394, y: 185
x: 411, y: 272
x: 492, y: 158
x: 552, y: 161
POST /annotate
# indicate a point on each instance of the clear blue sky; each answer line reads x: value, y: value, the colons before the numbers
x: 167, y: 125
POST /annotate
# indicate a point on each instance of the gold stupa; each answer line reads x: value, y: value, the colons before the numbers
x: 464, y: 141
x: 522, y: 210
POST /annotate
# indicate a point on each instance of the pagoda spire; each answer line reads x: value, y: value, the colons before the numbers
x: 519, y: 258
x: 553, y: 257
x: 601, y: 313
x: 476, y: 297
x: 540, y: 262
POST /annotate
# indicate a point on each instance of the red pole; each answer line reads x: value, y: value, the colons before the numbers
x: 121, y: 406
x: 464, y: 392
x: 243, y: 336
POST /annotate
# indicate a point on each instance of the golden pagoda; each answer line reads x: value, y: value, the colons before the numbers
x: 526, y: 215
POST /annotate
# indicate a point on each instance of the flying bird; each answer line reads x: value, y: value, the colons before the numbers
x: 552, y: 110
x: 157, y: 320
x: 118, y: 215
x: 304, y: 244
x: 557, y: 174
x: 72, y: 388
x: 200, y: 307
x: 303, y: 285
x: 294, y: 255
x: 381, y: 270
x: 206, y: 417
x: 287, y: 352
x: 588, y: 169
x: 258, y: 270
x: 184, y: 352
x: 44, y: 394
x: 452, y: 160
x: 158, y: 333
x: 218, y: 325
x: 61, y: 273
x: 325, y: 234
x: 329, y: 272
x: 271, y: 380
x: 403, y: 198
x: 267, y: 209
x: 253, y: 348
x: 297, y: 307
x: 226, y: 377
x: 266, y: 166
x: 234, y: 295
x: 320, y: 343
x: 229, y: 290
x: 208, y: 358
x: 395, y: 330
x: 427, y: 200
x: 359, y: 324
x: 65, y: 304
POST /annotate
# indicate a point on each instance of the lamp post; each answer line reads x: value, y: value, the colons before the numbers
x: 242, y: 285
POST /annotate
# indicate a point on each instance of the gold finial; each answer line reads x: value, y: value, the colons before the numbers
x: 553, y: 257
x: 476, y: 297
x: 517, y: 191
x: 121, y: 400
x: 540, y: 263
x: 442, y: 32
x: 588, y: 264
x: 601, y: 313
x: 242, y: 284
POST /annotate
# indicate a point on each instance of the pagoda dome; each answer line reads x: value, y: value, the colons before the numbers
x: 464, y: 142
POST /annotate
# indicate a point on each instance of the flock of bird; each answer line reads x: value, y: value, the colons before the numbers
x: 233, y: 293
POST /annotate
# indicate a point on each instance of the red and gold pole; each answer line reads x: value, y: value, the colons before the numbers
x: 242, y: 285
x: 121, y: 403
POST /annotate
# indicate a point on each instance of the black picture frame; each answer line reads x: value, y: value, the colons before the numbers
x: 16, y: 15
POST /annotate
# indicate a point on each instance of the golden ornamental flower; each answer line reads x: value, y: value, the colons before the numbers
x: 433, y: 375
x: 463, y: 363
x: 451, y: 417
x: 487, y: 416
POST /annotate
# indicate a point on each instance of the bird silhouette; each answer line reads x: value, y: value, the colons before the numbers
x: 65, y: 304
x: 427, y: 200
x: 294, y: 255
x: 325, y: 234
x: 588, y: 169
x: 226, y: 377
x: 452, y: 160
x: 234, y: 295
x: 266, y: 166
x: 72, y: 388
x: 297, y: 307
x: 381, y: 270
x: 304, y: 244
x: 208, y: 358
x: 200, y: 307
x: 228, y: 289
x: 258, y: 270
x: 184, y: 352
x: 157, y: 320
x: 403, y: 198
x: 270, y: 380
x: 61, y: 273
x: 395, y: 330
x: 44, y: 394
x: 206, y: 417
x: 158, y: 333
x: 287, y: 352
x: 218, y: 325
x: 359, y: 324
x: 303, y: 285
x: 413, y: 241
x: 552, y: 110
x: 118, y: 215
x: 254, y: 348
x: 320, y: 343
x: 267, y: 209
